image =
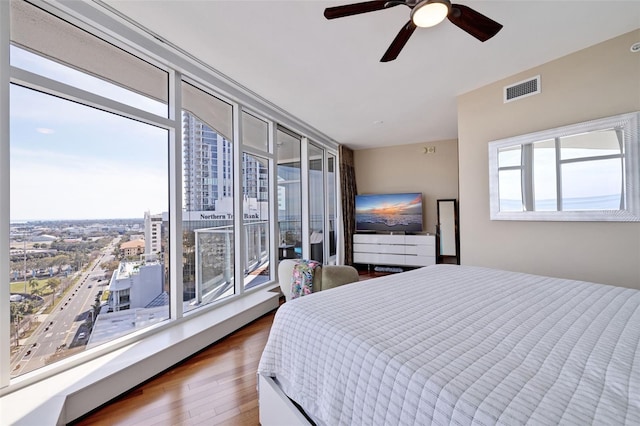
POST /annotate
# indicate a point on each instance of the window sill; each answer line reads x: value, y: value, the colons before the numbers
x: 72, y: 393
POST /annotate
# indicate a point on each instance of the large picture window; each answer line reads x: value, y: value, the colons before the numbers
x: 209, y: 235
x: 140, y: 198
x: 289, y: 195
x: 82, y: 273
x: 255, y: 200
x: 89, y: 185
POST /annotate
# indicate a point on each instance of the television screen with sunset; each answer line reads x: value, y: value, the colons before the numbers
x: 389, y: 212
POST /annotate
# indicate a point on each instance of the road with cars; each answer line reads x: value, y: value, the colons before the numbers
x: 64, y: 328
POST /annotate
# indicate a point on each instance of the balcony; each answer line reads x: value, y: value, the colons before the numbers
x: 214, y: 267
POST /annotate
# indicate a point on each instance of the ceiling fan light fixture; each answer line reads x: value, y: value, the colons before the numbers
x: 428, y: 13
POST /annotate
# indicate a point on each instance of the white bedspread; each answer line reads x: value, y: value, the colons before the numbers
x: 449, y: 344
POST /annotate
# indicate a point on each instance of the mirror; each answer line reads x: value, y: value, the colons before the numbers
x: 448, y: 240
x: 583, y: 172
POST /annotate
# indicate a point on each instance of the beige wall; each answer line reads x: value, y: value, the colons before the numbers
x: 406, y: 168
x: 600, y: 81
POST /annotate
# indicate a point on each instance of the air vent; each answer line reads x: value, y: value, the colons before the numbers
x: 522, y: 89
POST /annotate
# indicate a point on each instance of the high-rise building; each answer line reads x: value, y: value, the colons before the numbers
x: 208, y: 160
x: 209, y: 203
x: 254, y: 179
x: 152, y: 233
x: 208, y: 169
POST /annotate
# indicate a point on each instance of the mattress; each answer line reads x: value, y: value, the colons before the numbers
x: 451, y: 344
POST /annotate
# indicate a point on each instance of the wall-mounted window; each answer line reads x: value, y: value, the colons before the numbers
x: 255, y: 200
x: 209, y: 235
x: 55, y: 49
x: 583, y: 172
x: 289, y: 195
x: 86, y: 164
x: 94, y: 137
x: 316, y: 202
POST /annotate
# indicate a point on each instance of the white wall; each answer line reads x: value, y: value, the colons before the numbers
x: 600, y: 81
x: 407, y: 168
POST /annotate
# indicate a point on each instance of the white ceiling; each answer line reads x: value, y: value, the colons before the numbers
x: 328, y: 74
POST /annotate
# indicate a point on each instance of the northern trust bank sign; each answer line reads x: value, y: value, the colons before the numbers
x: 209, y: 215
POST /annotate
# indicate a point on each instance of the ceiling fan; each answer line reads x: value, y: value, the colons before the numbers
x: 424, y: 13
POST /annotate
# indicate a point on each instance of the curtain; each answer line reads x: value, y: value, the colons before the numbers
x: 348, y: 190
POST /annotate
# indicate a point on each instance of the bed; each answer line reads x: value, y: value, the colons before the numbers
x: 449, y: 344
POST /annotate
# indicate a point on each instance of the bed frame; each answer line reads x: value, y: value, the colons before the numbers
x: 276, y: 409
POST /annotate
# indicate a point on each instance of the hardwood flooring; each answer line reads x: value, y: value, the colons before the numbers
x: 216, y: 386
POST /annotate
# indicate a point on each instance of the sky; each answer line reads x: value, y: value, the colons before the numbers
x: 70, y: 161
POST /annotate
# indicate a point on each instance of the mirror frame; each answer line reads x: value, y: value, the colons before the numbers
x: 441, y: 230
x: 628, y: 123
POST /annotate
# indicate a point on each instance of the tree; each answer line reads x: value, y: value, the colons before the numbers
x: 96, y: 311
x: 15, y: 319
x: 33, y: 285
x: 53, y: 284
x: 60, y: 261
x: 36, y: 291
x: 43, y: 263
x: 109, y: 267
x: 79, y: 259
x: 18, y: 311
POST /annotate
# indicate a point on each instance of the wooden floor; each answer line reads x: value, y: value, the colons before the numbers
x: 216, y: 386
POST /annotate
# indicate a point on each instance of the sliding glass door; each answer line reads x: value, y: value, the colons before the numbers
x: 316, y: 202
x: 289, y: 195
x: 255, y: 200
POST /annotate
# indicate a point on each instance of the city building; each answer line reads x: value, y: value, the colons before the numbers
x: 152, y: 233
x: 208, y: 169
x: 135, y: 285
x: 132, y: 248
x: 208, y: 165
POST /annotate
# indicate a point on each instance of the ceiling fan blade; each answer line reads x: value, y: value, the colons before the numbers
x: 355, y: 8
x: 398, y: 43
x: 475, y: 23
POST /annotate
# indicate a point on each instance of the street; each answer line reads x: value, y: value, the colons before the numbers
x: 64, y: 328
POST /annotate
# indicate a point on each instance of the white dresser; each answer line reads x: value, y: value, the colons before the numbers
x: 401, y: 250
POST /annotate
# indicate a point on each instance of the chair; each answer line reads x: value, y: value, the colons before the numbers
x: 324, y: 276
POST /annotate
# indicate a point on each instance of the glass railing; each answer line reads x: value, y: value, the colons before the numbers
x: 214, y: 268
x: 256, y: 236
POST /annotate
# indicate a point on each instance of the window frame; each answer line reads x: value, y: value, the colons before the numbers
x: 5, y: 40
x: 69, y: 93
x: 104, y: 23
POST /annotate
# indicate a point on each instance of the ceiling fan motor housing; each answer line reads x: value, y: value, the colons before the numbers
x: 429, y: 13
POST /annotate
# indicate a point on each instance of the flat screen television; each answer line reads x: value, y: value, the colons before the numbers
x: 389, y: 212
